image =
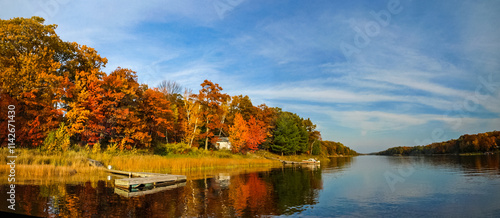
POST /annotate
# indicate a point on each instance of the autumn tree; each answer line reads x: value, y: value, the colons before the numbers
x: 238, y: 133
x: 242, y: 105
x: 156, y: 114
x: 120, y: 100
x: 193, y: 120
x: 86, y: 111
x: 172, y: 91
x: 39, y: 73
x: 212, y: 101
x: 30, y: 78
x: 257, y: 133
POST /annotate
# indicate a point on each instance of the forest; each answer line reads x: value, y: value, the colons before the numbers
x: 63, y: 99
x: 478, y: 143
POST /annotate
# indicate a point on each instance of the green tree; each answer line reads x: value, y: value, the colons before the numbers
x: 286, y: 135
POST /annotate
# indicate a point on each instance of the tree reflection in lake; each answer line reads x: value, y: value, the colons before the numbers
x: 432, y: 185
x: 274, y: 192
x: 469, y: 165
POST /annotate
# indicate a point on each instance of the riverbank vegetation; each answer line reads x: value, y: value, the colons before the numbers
x: 65, y: 104
x: 465, y: 145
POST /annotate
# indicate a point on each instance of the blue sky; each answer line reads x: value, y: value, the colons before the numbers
x: 370, y: 74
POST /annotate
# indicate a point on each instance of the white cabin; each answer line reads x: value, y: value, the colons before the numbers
x: 223, y: 143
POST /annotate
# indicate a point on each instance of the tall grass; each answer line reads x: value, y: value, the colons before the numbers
x: 35, y: 163
x: 182, y: 163
x: 36, y: 157
x: 51, y: 173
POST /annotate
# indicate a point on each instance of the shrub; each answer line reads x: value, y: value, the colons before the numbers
x: 96, y: 148
x: 172, y: 148
x: 57, y: 140
x: 112, y: 148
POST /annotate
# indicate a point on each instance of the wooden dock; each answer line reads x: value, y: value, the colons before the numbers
x: 129, y: 194
x: 139, y: 180
x: 154, y: 180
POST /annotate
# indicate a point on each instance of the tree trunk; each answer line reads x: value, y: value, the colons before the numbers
x: 206, y: 139
x: 311, y: 149
x: 206, y: 143
x: 195, y: 127
x: 166, y: 136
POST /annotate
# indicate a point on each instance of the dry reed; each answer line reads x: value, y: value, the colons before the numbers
x: 154, y: 163
x: 32, y: 163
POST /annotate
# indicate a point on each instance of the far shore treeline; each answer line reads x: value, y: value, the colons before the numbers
x: 64, y: 100
x: 465, y: 144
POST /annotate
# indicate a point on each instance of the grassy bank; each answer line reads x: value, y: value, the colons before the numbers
x: 33, y: 164
x: 42, y: 168
x: 183, y: 163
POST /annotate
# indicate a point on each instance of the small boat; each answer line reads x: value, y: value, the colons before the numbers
x: 311, y: 161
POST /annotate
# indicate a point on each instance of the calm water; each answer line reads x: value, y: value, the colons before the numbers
x: 352, y: 187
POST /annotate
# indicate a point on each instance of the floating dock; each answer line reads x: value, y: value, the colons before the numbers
x: 139, y: 180
x: 149, y: 180
x: 147, y: 191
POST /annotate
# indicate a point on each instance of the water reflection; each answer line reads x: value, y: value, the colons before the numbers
x: 469, y: 165
x: 273, y: 192
x: 349, y: 186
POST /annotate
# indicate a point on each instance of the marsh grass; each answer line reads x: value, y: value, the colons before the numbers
x: 37, y: 157
x: 202, y: 161
x: 47, y: 174
x: 34, y: 163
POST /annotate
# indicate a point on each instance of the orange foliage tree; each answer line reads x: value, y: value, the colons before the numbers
x: 30, y: 78
x: 257, y: 134
x: 156, y: 114
x: 246, y: 136
x: 238, y: 133
x: 120, y: 109
x: 211, y: 100
x: 85, y: 117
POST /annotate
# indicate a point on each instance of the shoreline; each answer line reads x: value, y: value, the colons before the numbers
x: 33, y: 164
x: 451, y: 154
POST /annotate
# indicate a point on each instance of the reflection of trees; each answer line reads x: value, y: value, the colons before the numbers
x: 294, y: 187
x: 339, y: 162
x: 471, y: 165
x: 280, y: 191
x: 250, y: 195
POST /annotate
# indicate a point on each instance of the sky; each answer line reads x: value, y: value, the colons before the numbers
x: 370, y: 74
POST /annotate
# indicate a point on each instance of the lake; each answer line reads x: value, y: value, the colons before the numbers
x: 380, y: 186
